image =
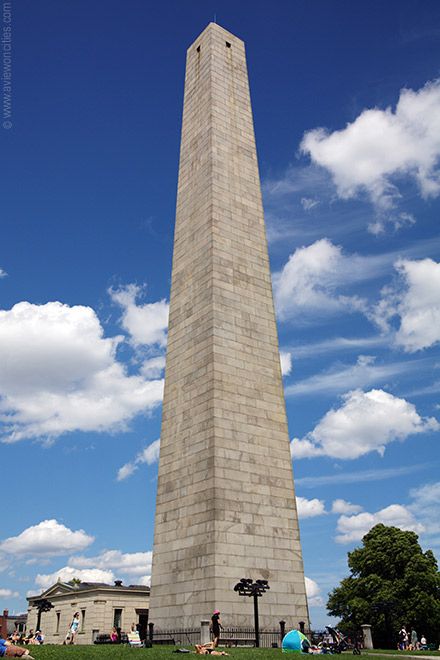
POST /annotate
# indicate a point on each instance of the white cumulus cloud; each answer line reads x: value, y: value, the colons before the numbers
x: 372, y: 153
x: 147, y: 324
x: 59, y: 373
x: 313, y: 592
x: 309, y: 508
x: 415, y: 300
x: 286, y: 362
x: 153, y: 367
x: 8, y: 593
x: 67, y: 573
x: 47, y: 539
x: 427, y: 494
x: 366, y: 422
x: 425, y: 506
x: 129, y: 563
x: 308, y: 280
x: 149, y: 455
x: 317, y: 281
x: 342, y: 506
x: 353, y: 528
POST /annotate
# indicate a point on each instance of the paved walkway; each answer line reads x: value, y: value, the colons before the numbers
x: 399, y: 655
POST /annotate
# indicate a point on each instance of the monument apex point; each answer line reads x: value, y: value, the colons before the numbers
x: 220, y: 30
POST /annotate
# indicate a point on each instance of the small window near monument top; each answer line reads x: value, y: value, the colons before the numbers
x: 228, y: 45
x: 198, y: 49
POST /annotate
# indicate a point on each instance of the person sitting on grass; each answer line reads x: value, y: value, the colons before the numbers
x: 9, y: 650
x: 133, y: 636
x: 208, y: 649
x: 29, y: 637
x: 38, y: 638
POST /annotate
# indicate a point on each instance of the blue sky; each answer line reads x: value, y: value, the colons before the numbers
x: 346, y: 100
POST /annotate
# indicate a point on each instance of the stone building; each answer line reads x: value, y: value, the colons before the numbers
x: 101, y: 606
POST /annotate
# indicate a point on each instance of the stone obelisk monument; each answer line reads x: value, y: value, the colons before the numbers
x: 225, y: 498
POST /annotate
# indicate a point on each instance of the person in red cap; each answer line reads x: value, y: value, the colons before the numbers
x: 216, y: 626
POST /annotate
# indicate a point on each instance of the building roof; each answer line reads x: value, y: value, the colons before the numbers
x: 65, y: 588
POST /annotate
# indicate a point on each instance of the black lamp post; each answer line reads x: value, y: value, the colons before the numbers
x: 246, y: 587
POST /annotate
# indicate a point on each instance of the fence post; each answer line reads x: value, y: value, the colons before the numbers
x: 366, y: 634
x: 205, y: 637
x: 282, y: 630
x: 150, y: 631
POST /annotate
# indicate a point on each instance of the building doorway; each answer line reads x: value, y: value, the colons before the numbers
x: 142, y: 625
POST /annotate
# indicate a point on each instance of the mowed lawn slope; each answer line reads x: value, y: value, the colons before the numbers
x: 107, y: 652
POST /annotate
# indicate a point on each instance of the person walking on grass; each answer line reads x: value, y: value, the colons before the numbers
x: 216, y: 626
x: 73, y: 630
x: 414, y: 645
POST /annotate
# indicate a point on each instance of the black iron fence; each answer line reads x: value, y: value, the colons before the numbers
x: 177, y: 636
x: 229, y: 637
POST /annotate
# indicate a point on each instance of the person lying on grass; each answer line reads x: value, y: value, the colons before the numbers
x: 9, y: 650
x: 208, y: 649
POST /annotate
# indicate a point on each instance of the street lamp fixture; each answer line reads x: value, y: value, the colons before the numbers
x: 247, y: 587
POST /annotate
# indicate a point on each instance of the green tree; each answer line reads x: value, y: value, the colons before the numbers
x: 392, y: 583
x: 42, y: 605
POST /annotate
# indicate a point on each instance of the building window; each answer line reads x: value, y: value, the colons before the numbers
x: 83, y: 620
x: 57, y: 628
x: 117, y: 618
x: 228, y: 45
x: 198, y: 49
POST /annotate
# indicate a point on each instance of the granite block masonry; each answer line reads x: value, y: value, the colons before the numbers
x: 225, y: 499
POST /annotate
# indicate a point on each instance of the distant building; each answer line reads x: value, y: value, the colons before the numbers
x: 101, y: 607
x: 11, y: 622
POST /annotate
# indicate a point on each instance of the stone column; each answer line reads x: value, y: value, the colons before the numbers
x: 226, y: 505
x: 366, y: 635
x: 205, y: 637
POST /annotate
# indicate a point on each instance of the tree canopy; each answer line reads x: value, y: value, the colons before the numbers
x: 392, y: 583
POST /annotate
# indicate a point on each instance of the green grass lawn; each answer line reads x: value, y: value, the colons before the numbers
x: 107, y: 652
